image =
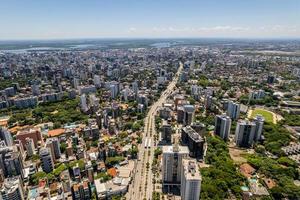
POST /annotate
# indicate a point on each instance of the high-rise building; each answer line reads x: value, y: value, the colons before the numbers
x: 76, y: 83
x: 180, y: 114
x: 99, y: 119
x: 5, y: 135
x: 29, y: 145
x: 189, y: 112
x: 208, y: 101
x: 222, y: 126
x: 97, y: 81
x: 81, y: 191
x: 244, y: 133
x: 135, y: 87
x: 271, y: 78
x: 12, y: 189
x: 54, y: 145
x: 13, y: 164
x: 35, y: 89
x: 259, y: 121
x: 190, y: 180
x: 233, y: 110
x: 46, y: 160
x: 166, y: 132
x: 171, y: 163
x: 83, y: 103
x: 193, y: 140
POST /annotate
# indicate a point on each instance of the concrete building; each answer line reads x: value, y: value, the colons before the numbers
x: 5, y: 135
x: 190, y: 180
x: 166, y: 132
x: 52, y: 97
x: 171, y: 164
x: 12, y: 189
x: 83, y: 103
x: 233, y: 110
x: 26, y: 102
x: 35, y: 88
x: 46, y: 160
x: 244, y: 133
x: 259, y: 121
x: 222, y: 126
x: 193, y: 140
x: 13, y: 164
x: 81, y: 191
x: 189, y: 112
x: 87, y: 89
x: 208, y: 102
x: 34, y: 134
x: 29, y: 146
x: 97, y: 81
x: 54, y: 145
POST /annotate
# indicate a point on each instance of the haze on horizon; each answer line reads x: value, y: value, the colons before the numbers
x: 69, y: 19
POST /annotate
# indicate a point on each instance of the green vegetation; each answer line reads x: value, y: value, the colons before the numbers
x: 59, y: 112
x: 155, y: 196
x: 265, y: 113
x: 5, y: 83
x: 54, y: 175
x: 222, y: 174
x: 291, y: 119
x: 283, y: 170
x: 276, y: 137
x: 110, y: 161
x: 65, y: 111
x: 103, y: 176
x: 266, y: 101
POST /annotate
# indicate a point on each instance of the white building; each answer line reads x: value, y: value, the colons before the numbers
x: 171, y: 164
x: 83, y: 103
x: 12, y: 189
x: 222, y: 126
x: 29, y: 145
x: 233, y: 110
x: 259, y: 121
x: 244, y: 133
x: 190, y: 180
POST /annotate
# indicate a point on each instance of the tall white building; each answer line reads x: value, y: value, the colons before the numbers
x: 54, y: 145
x: 233, y: 110
x: 12, y: 189
x: 190, y: 180
x: 29, y: 145
x: 171, y: 164
x: 244, y: 133
x: 6, y: 136
x: 97, y: 81
x: 35, y: 89
x: 222, y: 126
x: 83, y: 103
x: 259, y: 121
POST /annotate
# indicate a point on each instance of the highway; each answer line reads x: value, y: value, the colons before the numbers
x: 141, y: 186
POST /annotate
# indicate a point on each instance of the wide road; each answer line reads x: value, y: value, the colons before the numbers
x: 141, y: 186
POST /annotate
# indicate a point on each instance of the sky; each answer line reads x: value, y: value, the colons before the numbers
x: 70, y: 19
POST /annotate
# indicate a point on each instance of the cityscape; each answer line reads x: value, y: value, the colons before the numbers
x: 168, y: 117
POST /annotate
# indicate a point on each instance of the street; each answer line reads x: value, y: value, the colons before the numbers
x: 142, y: 186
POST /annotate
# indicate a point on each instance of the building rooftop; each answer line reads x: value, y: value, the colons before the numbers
x: 193, y: 134
x: 191, y: 169
x: 176, y: 148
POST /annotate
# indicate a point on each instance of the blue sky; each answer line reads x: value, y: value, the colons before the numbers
x: 60, y: 19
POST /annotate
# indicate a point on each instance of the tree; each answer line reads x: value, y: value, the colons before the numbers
x: 63, y: 147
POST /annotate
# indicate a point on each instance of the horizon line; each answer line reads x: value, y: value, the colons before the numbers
x: 148, y: 38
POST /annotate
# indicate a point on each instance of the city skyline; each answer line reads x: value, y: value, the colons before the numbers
x: 30, y: 19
